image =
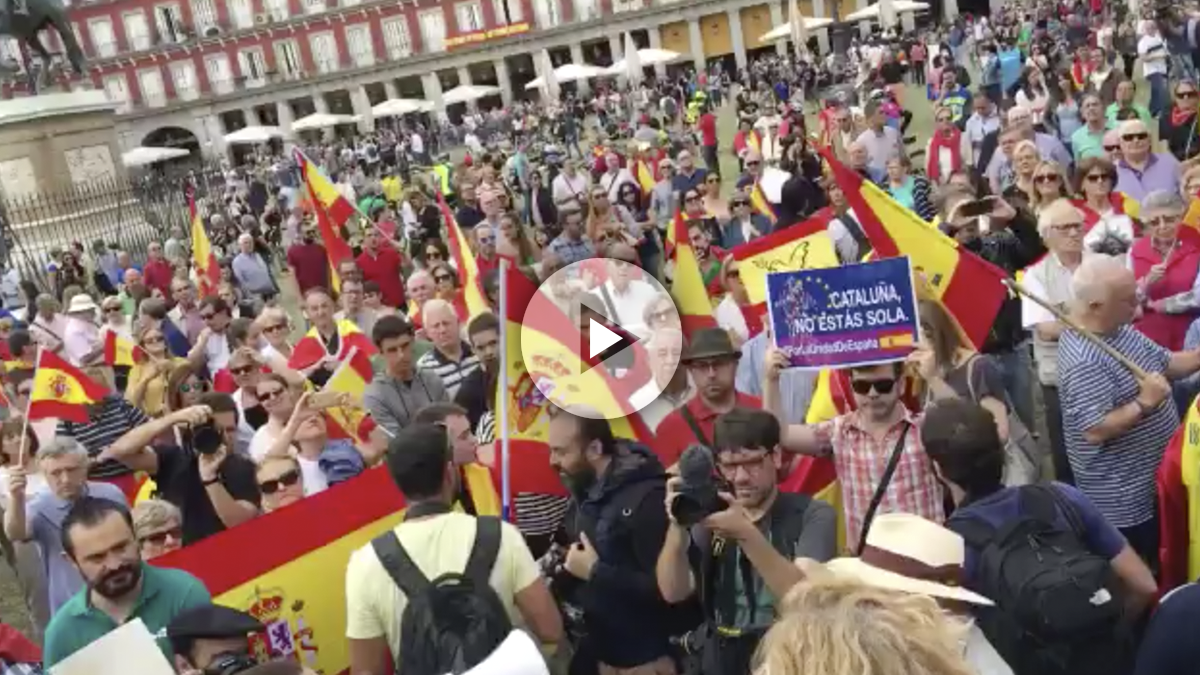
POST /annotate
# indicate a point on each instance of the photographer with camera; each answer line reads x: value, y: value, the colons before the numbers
x: 616, y: 526
x: 734, y: 536
x: 213, y: 486
x: 213, y: 640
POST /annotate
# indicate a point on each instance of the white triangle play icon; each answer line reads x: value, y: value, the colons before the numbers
x: 600, y: 338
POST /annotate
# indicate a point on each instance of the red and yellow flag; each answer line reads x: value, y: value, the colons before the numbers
x: 311, y: 348
x: 61, y: 390
x: 687, y: 284
x: 762, y: 205
x: 332, y: 211
x: 804, y: 246
x: 970, y: 288
x: 474, y: 301
x: 645, y: 177
x: 118, y: 350
x: 208, y: 273
x: 351, y: 378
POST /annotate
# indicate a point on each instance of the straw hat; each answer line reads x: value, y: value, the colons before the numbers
x: 907, y: 553
x: 82, y: 303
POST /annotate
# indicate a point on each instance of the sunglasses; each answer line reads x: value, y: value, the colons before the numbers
x: 443, y: 277
x: 160, y: 538
x: 1185, y: 94
x: 1098, y: 177
x: 733, y: 274
x: 1046, y: 178
x: 243, y: 370
x: 187, y: 388
x: 271, y: 395
x: 863, y: 387
x: 270, y: 487
x: 433, y: 255
x: 737, y: 204
x: 1112, y: 148
x: 274, y: 328
x: 1135, y: 137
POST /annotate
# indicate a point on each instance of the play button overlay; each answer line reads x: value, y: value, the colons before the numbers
x: 601, y: 338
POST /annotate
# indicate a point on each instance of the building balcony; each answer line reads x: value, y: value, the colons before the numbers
x: 187, y: 92
x: 155, y: 99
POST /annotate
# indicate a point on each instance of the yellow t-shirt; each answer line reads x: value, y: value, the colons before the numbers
x: 437, y: 545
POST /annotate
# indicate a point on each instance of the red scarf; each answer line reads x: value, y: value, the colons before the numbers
x: 953, y: 143
x: 1179, y: 116
x: 753, y: 317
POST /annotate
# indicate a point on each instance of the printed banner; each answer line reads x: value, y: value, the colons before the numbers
x: 844, y: 316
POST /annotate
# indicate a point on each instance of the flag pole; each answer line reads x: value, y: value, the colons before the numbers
x: 502, y: 390
x: 25, y: 423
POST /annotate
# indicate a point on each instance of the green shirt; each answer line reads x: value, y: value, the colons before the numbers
x: 1084, y: 143
x: 165, y: 593
x: 1142, y: 113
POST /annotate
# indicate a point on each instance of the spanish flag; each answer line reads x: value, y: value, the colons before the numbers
x: 351, y: 378
x: 970, y: 289
x: 208, y: 273
x: 758, y: 199
x: 804, y: 246
x: 645, y: 177
x: 817, y: 476
x: 1192, y: 217
x: 311, y: 349
x: 687, y: 285
x: 118, y: 350
x: 537, y: 347
x: 473, y: 299
x: 61, y: 390
x: 333, y: 211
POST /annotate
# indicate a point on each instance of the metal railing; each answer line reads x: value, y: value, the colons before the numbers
x: 125, y: 213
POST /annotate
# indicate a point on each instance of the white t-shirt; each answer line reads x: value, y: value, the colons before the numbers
x: 216, y: 352
x: 567, y: 189
x: 1155, y: 44
x: 314, y: 478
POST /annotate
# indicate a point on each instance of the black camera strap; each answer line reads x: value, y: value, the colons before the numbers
x: 694, y: 425
x: 881, y: 489
x: 422, y: 509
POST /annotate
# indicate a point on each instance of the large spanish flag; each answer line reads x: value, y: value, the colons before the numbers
x: 762, y: 205
x: 311, y: 348
x: 804, y: 246
x: 473, y: 299
x: 687, y: 284
x: 970, y: 288
x: 351, y: 378
x: 538, y: 348
x: 333, y: 211
x: 208, y: 273
x: 294, y: 578
x: 61, y: 390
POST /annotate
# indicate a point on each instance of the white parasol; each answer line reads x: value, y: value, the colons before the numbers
x: 646, y: 57
x: 784, y: 31
x: 398, y: 107
x: 322, y: 121
x: 873, y: 13
x: 143, y: 156
x: 571, y: 72
x: 254, y: 135
x: 468, y: 92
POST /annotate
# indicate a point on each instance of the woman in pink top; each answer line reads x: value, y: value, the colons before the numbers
x: 1165, y: 264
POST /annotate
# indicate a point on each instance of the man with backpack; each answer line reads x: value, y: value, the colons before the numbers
x: 614, y: 529
x: 446, y: 585
x: 1069, y: 590
x: 739, y: 560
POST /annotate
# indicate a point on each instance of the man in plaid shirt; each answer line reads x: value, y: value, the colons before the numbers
x: 862, y: 444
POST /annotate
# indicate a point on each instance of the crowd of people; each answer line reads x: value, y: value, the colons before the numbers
x: 1020, y: 506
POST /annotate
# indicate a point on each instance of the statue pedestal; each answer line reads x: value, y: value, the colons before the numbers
x: 61, y: 177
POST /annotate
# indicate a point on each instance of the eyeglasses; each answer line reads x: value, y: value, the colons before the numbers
x: 1067, y: 227
x: 737, y: 204
x: 443, y: 277
x: 160, y: 538
x: 1112, y: 148
x: 188, y: 387
x: 271, y: 486
x: 433, y: 255
x: 1046, y: 178
x: 1185, y: 94
x: 270, y: 395
x: 275, y: 328
x: 1097, y: 177
x: 863, y: 387
x: 243, y: 370
x: 1136, y: 137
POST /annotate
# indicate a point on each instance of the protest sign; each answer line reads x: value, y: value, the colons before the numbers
x: 844, y: 316
x: 127, y: 649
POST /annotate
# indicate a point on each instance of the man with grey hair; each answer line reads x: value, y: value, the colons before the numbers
x: 64, y: 464
x: 1140, y: 171
x: 451, y: 358
x: 250, y: 270
x: 1061, y: 226
x: 1115, y: 425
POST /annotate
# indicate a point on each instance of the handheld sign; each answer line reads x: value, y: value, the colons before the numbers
x: 128, y: 649
x: 854, y: 315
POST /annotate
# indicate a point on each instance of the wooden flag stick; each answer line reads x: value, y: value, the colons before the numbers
x: 1087, y: 334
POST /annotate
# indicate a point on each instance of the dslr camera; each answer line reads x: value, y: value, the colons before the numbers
x: 206, y: 438
x: 698, y: 496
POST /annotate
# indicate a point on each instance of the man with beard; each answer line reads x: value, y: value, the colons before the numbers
x: 98, y: 538
x: 477, y: 388
x: 768, y: 529
x: 212, y: 639
x: 616, y: 526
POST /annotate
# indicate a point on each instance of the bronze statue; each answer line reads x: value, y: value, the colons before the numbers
x: 24, y: 19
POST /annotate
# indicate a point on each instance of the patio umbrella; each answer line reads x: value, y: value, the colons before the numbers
x: 783, y: 31
x: 799, y: 33
x: 143, y: 156
x: 468, y: 92
x: 647, y: 57
x: 253, y: 135
x: 398, y: 107
x: 322, y: 121
x: 633, y: 61
x: 545, y: 79
x: 571, y: 72
x: 898, y: 7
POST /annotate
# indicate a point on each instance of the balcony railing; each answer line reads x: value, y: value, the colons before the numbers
x: 156, y: 99
x: 189, y: 92
x: 397, y: 52
x: 222, y: 86
x: 362, y: 59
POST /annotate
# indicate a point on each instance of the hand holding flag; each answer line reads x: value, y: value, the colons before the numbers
x: 61, y: 390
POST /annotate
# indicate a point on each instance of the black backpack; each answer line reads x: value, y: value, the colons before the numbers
x: 1057, y: 610
x: 452, y: 623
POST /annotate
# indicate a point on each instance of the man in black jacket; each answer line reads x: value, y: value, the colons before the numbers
x: 617, y: 524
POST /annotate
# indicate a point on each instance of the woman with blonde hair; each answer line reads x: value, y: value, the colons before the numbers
x: 836, y: 626
x: 276, y: 327
x: 1025, y: 161
x: 1049, y: 184
x: 153, y: 364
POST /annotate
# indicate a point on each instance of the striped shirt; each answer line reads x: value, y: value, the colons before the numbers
x: 113, y: 419
x: 451, y: 373
x: 1118, y: 474
x: 537, y: 514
